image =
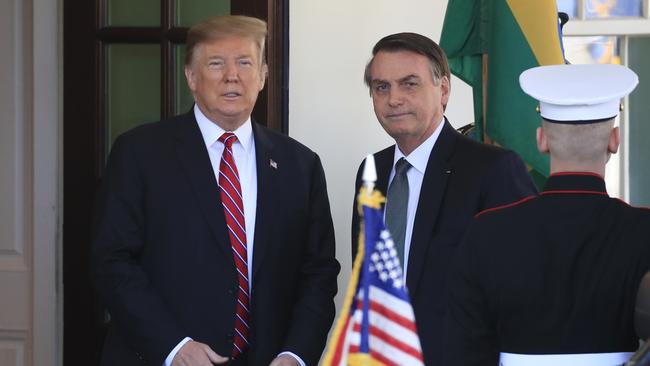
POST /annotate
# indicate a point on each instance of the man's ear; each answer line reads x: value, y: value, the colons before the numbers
x: 264, y: 75
x: 191, y: 78
x: 445, y: 90
x: 614, y: 141
x: 542, y: 142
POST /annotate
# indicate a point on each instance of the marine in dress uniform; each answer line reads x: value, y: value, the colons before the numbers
x: 552, y: 279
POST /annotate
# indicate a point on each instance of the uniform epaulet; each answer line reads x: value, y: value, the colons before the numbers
x: 505, y: 206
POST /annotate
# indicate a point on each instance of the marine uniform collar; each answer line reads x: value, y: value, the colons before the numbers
x: 575, y: 183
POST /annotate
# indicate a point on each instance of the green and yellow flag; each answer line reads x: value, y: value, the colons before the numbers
x: 515, y: 35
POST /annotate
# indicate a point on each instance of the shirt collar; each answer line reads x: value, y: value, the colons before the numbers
x: 211, y: 131
x: 419, y: 158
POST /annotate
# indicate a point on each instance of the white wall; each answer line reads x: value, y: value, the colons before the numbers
x: 329, y: 107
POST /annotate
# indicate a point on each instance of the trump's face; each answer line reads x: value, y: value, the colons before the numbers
x: 225, y: 78
x: 408, y: 105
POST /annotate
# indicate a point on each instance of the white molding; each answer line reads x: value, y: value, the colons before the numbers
x: 46, y: 188
x: 12, y: 152
x: 13, y: 349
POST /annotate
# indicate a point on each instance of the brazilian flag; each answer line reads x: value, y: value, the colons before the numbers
x: 514, y: 35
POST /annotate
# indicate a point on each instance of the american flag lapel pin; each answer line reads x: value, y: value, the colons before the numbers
x: 273, y: 164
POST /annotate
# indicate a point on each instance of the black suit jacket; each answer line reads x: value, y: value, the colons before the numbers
x: 163, y: 262
x: 462, y: 178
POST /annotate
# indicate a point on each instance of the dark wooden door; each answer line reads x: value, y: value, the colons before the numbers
x: 121, y: 68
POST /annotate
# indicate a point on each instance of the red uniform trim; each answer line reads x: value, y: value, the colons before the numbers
x: 568, y: 191
x: 592, y: 174
x: 505, y: 206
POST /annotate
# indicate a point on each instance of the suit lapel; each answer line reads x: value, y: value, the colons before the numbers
x: 195, y: 161
x: 431, y: 195
x: 267, y: 187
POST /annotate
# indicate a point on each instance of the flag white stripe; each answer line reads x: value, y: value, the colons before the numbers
x: 407, y: 337
x: 396, y: 304
x: 394, y: 330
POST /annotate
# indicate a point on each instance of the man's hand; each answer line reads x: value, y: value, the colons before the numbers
x: 284, y: 360
x: 197, y: 354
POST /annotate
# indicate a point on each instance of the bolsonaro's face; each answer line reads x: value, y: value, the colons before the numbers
x: 407, y: 103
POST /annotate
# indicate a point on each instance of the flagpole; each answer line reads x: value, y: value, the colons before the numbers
x: 369, y: 177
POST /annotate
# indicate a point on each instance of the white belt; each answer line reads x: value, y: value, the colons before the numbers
x: 591, y: 359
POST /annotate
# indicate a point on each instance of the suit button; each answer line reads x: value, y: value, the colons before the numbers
x: 230, y: 337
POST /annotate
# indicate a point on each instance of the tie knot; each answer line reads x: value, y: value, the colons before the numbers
x: 402, y: 166
x: 228, y: 138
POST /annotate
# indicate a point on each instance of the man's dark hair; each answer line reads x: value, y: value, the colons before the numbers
x: 416, y: 43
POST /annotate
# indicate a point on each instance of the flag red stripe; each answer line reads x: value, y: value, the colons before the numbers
x: 387, y: 338
x: 388, y: 313
x: 393, y: 316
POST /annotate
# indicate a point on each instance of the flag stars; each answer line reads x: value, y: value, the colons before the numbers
x: 390, y: 244
x: 380, y: 246
x: 390, y: 265
x: 394, y: 274
x: 385, y: 235
x: 385, y: 262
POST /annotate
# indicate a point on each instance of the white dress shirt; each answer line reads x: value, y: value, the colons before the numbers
x: 243, y: 151
x: 418, y: 159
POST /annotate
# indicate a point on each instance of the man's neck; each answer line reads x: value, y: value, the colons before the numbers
x: 407, y: 144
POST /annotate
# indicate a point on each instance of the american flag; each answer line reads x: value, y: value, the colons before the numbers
x: 377, y: 328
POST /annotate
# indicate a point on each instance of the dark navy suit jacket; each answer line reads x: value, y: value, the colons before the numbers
x: 163, y: 261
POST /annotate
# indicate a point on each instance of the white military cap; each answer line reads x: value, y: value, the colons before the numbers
x: 575, y: 94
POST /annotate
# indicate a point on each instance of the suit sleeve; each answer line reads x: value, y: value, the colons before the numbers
x: 314, y: 309
x: 507, y: 182
x: 136, y: 309
x: 470, y: 334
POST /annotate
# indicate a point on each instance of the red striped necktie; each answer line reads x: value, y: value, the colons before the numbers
x: 233, y: 208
